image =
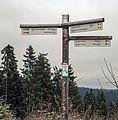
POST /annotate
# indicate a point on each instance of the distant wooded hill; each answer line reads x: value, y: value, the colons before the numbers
x: 109, y: 94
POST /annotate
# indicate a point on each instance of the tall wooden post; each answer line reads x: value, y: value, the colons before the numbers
x: 65, y: 61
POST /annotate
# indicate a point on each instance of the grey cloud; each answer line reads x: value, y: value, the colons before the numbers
x: 85, y: 61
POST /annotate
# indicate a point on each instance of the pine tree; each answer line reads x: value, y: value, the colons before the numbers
x: 28, y: 76
x: 89, y: 100
x: 92, y: 99
x: 74, y: 94
x: 43, y: 83
x: 101, y: 104
x: 37, y: 81
x: 116, y: 104
x: 87, y: 103
x: 111, y: 109
x: 12, y: 84
x: 2, y: 84
x: 57, y: 89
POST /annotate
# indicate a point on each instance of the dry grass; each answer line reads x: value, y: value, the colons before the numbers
x: 72, y: 116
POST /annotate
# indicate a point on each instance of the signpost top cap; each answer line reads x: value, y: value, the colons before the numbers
x: 65, y: 15
x: 64, y: 64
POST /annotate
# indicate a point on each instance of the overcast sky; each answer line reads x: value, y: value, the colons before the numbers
x: 86, y: 62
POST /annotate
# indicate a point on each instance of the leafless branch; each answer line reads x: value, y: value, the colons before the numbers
x: 100, y: 83
x: 107, y: 77
x: 107, y: 66
x: 110, y: 70
x: 113, y: 76
x: 78, y: 80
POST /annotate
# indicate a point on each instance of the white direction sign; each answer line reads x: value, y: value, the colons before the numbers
x: 39, y: 31
x: 92, y: 43
x: 86, y: 27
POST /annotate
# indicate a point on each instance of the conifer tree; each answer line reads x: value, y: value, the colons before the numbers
x: 74, y: 94
x: 101, y: 104
x: 12, y: 84
x: 89, y: 100
x: 43, y: 83
x: 111, y: 109
x: 57, y: 89
x: 86, y: 101
x: 28, y: 76
x: 92, y: 99
x: 2, y: 84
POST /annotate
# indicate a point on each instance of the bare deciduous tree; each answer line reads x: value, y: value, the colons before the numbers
x: 111, y: 80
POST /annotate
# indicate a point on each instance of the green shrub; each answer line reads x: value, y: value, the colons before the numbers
x: 5, y: 113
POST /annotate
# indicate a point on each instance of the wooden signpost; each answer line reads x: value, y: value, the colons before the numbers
x: 80, y: 41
